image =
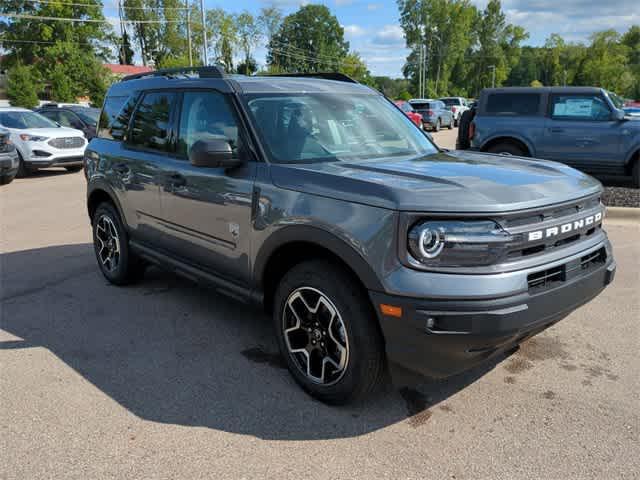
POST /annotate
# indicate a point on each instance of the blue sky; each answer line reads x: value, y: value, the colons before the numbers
x: 372, y: 28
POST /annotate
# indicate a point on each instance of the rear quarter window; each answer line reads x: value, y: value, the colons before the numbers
x: 513, y: 104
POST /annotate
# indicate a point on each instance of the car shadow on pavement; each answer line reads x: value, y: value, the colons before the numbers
x: 172, y: 352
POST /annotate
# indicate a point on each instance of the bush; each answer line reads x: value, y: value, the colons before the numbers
x: 22, y: 86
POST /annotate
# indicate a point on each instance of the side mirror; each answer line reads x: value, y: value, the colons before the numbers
x: 618, y: 115
x: 215, y: 153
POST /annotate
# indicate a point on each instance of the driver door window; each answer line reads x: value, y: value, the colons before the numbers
x: 206, y: 116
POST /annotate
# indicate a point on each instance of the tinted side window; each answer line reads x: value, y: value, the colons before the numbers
x: 50, y: 114
x: 206, y: 115
x: 112, y: 107
x: 69, y: 119
x: 579, y: 107
x: 513, y: 103
x: 150, y: 126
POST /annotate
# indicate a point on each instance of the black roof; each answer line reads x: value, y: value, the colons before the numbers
x: 588, y: 90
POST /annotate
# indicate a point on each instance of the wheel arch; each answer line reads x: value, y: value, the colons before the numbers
x: 510, y: 138
x: 99, y: 193
x: 633, y: 156
x: 295, y: 244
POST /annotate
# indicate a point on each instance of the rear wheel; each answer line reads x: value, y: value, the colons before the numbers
x: 507, y: 148
x: 328, y: 333
x: 436, y: 127
x: 111, y: 244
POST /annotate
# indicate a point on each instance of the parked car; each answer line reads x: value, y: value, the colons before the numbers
x: 42, y: 143
x: 434, y: 113
x: 457, y: 105
x: 8, y: 158
x: 364, y: 241
x: 73, y: 116
x: 580, y: 126
x: 408, y: 110
x: 632, y: 111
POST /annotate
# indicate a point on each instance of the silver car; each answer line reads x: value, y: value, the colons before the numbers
x: 434, y: 113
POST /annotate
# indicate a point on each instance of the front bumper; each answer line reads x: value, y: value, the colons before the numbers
x: 446, y: 336
x: 9, y: 162
x: 42, y: 155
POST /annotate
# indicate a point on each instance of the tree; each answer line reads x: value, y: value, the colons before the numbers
x: 60, y: 84
x: 353, y: 66
x: 125, y: 52
x: 248, y: 67
x: 222, y: 36
x: 248, y: 34
x: 269, y: 21
x: 22, y: 86
x: 631, y: 39
x: 309, y: 40
x: 536, y: 84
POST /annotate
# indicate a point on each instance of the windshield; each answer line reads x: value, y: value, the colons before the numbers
x: 421, y: 105
x: 88, y: 115
x: 308, y: 128
x: 616, y: 100
x: 22, y: 120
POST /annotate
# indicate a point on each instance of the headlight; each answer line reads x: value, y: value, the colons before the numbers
x: 32, y: 138
x: 458, y: 243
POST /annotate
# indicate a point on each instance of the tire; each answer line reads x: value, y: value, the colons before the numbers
x: 463, y: 142
x: 635, y: 172
x: 436, y: 127
x: 6, y: 179
x: 450, y: 126
x: 456, y: 122
x: 23, y: 171
x: 73, y: 169
x: 356, y: 355
x: 508, y: 148
x: 124, y: 267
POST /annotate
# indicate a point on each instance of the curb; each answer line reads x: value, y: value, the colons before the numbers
x: 623, y: 214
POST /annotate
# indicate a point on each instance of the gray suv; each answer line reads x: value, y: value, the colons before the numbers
x: 581, y: 126
x: 320, y: 201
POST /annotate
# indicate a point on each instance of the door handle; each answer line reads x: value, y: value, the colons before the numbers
x: 556, y: 130
x: 122, y: 168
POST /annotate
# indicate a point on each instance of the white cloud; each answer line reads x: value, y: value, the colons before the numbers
x: 373, y: 6
x: 341, y: 3
x: 353, y: 31
x: 390, y: 35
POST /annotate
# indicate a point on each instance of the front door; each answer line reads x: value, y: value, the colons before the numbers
x: 580, y: 131
x: 207, y: 211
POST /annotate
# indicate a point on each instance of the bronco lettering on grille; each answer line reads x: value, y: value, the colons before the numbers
x: 565, y: 227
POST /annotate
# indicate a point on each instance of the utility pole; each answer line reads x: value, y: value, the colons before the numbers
x: 424, y: 72
x: 123, y: 59
x: 204, y: 35
x: 189, y: 32
x: 493, y: 76
x: 420, y: 72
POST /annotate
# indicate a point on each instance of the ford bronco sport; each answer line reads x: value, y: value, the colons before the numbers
x: 584, y: 127
x: 318, y: 199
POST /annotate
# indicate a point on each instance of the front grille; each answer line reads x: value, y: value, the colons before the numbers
x: 546, y: 278
x: 593, y: 259
x: 572, y: 216
x: 67, y: 142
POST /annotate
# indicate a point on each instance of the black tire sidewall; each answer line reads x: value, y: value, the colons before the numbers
x: 509, y: 148
x: 6, y: 179
x: 365, y: 342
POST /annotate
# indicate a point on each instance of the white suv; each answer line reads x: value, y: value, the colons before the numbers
x: 457, y: 105
x: 42, y: 143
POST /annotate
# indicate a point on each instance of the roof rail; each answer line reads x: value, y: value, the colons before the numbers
x: 211, y: 71
x: 339, y: 77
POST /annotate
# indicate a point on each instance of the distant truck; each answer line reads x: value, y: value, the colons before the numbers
x: 584, y: 127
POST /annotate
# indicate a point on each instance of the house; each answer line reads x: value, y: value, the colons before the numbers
x: 120, y: 71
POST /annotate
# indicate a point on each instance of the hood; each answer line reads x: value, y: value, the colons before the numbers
x: 458, y: 181
x: 53, y: 132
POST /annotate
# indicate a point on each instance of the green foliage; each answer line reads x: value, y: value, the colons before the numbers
x: 353, y: 66
x: 309, y: 40
x: 125, y: 52
x: 536, y: 84
x: 61, y: 88
x: 22, y: 86
x: 222, y: 36
x: 404, y: 96
x: 247, y: 67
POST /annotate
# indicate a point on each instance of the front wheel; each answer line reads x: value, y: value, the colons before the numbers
x: 328, y: 333
x: 450, y: 126
x: 6, y: 179
x: 73, y: 169
x: 23, y: 170
x: 635, y: 172
x: 117, y: 262
x: 436, y: 127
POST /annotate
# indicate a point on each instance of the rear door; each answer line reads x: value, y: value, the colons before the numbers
x: 580, y: 131
x: 207, y: 211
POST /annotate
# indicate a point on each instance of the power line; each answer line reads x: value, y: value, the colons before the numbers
x: 112, y: 6
x: 45, y: 42
x: 91, y: 20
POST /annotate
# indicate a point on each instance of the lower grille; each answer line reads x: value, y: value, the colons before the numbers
x: 546, y: 278
x: 67, y: 142
x: 593, y: 259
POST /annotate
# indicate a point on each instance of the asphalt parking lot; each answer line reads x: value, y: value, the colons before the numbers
x: 168, y: 380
